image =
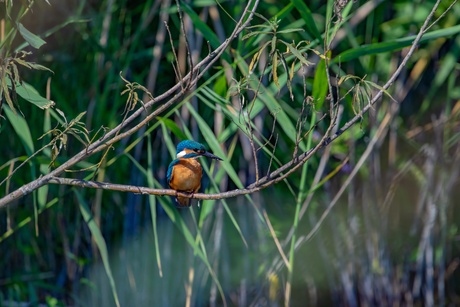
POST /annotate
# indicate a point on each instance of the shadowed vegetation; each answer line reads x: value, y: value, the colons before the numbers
x: 339, y: 138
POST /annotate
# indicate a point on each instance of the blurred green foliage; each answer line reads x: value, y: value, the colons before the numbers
x: 397, y: 219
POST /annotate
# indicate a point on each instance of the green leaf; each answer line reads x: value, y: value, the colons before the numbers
x: 21, y: 223
x: 179, y: 222
x: 296, y: 53
x: 172, y: 126
x: 152, y: 203
x: 4, y: 90
x: 338, y: 24
x: 39, y: 67
x: 285, y: 123
x: 267, y: 96
x: 307, y: 16
x: 210, y: 98
x: 214, y: 145
x: 209, y: 34
x: 275, y: 69
x: 220, y: 86
x: 393, y: 45
x: 29, y: 93
x: 320, y: 85
x: 168, y: 141
x: 43, y: 191
x: 54, y: 30
x: 100, y: 242
x: 290, y: 31
x: 447, y: 69
x: 21, y: 128
x: 285, y: 11
x: 31, y: 38
x: 44, y: 169
x: 77, y: 119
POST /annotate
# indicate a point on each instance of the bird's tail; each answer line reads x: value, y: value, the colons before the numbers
x: 182, y: 202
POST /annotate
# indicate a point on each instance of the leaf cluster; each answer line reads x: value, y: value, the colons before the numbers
x: 133, y: 96
x: 276, y: 56
x: 10, y: 78
x: 61, y: 134
x: 273, y: 133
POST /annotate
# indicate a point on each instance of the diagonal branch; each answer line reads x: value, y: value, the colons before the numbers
x: 272, y: 178
x: 114, y: 135
x: 279, y: 263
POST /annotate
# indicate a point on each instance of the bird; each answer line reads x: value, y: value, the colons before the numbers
x: 185, y: 172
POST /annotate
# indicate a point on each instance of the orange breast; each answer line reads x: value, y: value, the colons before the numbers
x: 186, y: 176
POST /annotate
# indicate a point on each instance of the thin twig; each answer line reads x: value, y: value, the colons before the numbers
x: 441, y: 16
x: 382, y: 128
x: 187, y: 44
x: 177, y: 70
x: 278, y: 175
x: 110, y: 137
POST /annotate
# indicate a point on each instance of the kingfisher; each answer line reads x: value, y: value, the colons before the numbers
x: 185, y: 172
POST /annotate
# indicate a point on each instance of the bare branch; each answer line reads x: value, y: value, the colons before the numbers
x: 143, y: 190
x: 271, y: 178
x: 187, y: 44
x: 177, y: 69
x: 382, y: 128
x: 114, y: 135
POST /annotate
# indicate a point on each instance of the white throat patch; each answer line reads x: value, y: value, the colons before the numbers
x: 181, y: 154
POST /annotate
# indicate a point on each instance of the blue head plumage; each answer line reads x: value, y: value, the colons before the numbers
x: 190, y: 145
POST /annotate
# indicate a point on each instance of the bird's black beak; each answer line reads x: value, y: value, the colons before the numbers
x: 210, y: 155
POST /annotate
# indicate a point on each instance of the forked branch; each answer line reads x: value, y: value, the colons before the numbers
x: 272, y: 178
x: 171, y: 96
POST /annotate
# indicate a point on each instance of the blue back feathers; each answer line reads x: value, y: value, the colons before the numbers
x: 170, y: 168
